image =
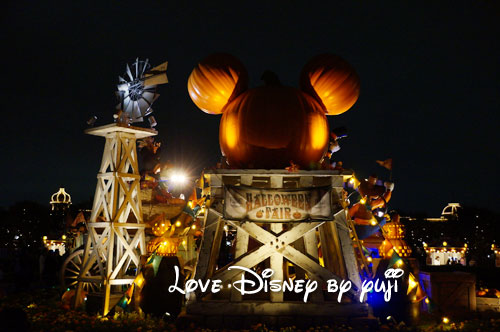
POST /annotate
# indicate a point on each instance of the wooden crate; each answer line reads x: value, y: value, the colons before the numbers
x: 450, y: 291
x: 488, y: 304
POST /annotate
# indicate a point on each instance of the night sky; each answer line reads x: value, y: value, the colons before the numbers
x: 429, y: 86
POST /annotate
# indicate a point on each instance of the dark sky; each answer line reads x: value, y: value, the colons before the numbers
x: 429, y: 86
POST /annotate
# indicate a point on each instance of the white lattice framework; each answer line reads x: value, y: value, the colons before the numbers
x: 298, y: 244
x: 116, y: 229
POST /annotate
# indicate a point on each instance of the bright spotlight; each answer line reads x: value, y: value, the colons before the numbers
x: 178, y: 178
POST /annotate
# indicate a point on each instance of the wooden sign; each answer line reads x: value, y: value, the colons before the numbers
x: 277, y: 205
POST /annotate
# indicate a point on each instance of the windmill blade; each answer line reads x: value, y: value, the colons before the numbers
x: 129, y: 73
x: 128, y: 107
x: 150, y: 88
x: 144, y: 68
x: 143, y: 106
x: 148, y: 96
x: 136, y: 112
x: 122, y: 86
x: 121, y: 79
x: 156, y: 96
x: 137, y: 67
x: 126, y: 100
x: 146, y: 107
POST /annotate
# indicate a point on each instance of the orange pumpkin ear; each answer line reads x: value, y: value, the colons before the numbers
x: 215, y: 81
x: 332, y: 81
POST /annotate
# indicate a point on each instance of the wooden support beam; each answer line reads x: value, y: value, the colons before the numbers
x: 242, y: 238
x: 212, y: 221
x: 347, y: 249
x: 331, y: 250
x: 276, y: 260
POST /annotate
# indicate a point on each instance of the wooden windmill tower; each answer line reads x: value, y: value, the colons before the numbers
x: 116, y: 228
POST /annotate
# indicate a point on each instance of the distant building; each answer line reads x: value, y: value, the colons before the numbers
x: 60, y: 203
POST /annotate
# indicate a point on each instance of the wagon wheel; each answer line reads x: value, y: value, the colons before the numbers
x: 71, y: 270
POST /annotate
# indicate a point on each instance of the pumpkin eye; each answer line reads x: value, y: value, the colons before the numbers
x: 215, y: 81
x: 332, y: 81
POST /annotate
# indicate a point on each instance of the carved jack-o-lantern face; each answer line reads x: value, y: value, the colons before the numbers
x: 273, y: 125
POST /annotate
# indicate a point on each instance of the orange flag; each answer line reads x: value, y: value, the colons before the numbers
x: 193, y: 196
x: 385, y: 163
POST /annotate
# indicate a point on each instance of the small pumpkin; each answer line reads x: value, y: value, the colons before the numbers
x: 273, y: 125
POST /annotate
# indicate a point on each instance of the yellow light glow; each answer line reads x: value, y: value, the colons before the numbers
x: 446, y: 320
x: 427, y: 300
x: 399, y: 262
x: 319, y: 132
x: 412, y: 283
x: 231, y: 131
x: 193, y: 227
x: 45, y: 238
x: 445, y: 244
x: 184, y: 242
x: 351, y: 180
x: 369, y: 259
x: 190, y: 204
x: 178, y: 224
x: 373, y: 222
x: 362, y: 200
x: 139, y: 281
x: 63, y: 237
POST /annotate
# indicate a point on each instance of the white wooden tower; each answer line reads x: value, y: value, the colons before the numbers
x: 317, y: 247
x: 116, y: 228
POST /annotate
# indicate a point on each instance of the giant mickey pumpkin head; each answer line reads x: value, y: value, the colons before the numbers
x: 272, y: 125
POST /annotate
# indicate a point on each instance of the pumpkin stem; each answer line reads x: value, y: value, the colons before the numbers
x: 270, y: 78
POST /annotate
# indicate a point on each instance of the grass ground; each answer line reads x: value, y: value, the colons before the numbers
x: 41, y: 310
